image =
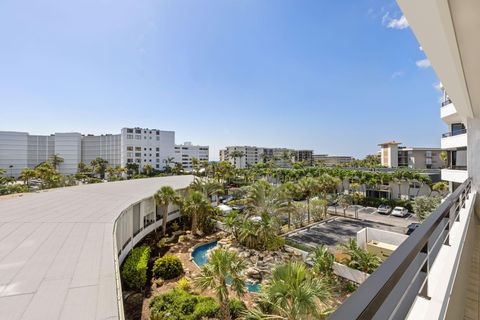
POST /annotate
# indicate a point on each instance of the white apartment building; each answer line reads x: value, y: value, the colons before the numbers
x: 184, y: 153
x: 147, y: 146
x: 454, y: 143
x: 392, y: 155
x: 246, y: 156
x: 19, y: 150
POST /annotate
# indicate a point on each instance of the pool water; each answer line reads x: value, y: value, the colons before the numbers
x: 199, y: 255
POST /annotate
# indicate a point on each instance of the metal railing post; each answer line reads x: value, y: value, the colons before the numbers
x: 426, y: 269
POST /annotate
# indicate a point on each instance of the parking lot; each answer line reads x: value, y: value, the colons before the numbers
x: 341, y: 229
x: 370, y: 214
x: 336, y: 230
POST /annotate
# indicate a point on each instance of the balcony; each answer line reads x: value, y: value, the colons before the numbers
x: 446, y: 102
x: 427, y: 277
x: 455, y: 139
x: 455, y: 174
x: 449, y: 113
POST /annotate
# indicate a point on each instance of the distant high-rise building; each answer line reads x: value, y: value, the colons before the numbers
x: 19, y: 150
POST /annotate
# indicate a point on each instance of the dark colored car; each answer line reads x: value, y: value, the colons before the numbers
x: 412, y: 227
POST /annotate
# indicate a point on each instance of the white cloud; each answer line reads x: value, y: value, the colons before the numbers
x: 400, y: 23
x: 392, y: 23
x: 420, y: 48
x: 424, y: 63
x: 437, y: 86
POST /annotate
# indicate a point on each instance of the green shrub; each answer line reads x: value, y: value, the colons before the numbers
x: 168, y: 267
x: 183, y: 284
x: 298, y: 246
x: 134, y: 270
x: 180, y: 305
x: 275, y: 243
x: 236, y: 308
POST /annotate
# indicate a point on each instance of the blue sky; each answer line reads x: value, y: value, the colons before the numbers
x: 338, y: 77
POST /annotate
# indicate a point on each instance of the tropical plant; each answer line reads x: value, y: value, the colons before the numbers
x: 26, y: 175
x: 196, y: 206
x: 183, y: 284
x: 168, y: 267
x: 359, y: 258
x: 423, y: 206
x: 56, y: 160
x: 163, y: 198
x: 292, y: 293
x: 48, y: 175
x: 308, y: 187
x: 99, y: 166
x: 322, y: 260
x: 179, y: 304
x: 344, y: 200
x: 223, y: 266
x: 134, y: 269
x: 148, y: 170
x: 441, y: 187
x: 208, y: 187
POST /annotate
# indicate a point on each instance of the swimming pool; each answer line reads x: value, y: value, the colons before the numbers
x: 199, y: 256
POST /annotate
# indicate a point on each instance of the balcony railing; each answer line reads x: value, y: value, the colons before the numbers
x: 454, y: 133
x: 457, y: 167
x: 446, y: 102
x: 391, y: 290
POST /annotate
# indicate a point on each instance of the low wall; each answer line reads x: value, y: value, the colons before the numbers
x: 348, y: 273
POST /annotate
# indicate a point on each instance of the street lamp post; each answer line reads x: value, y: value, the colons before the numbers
x: 11, y: 170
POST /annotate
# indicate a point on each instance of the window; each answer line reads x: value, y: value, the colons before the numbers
x: 145, y: 154
x: 129, y: 160
x: 138, y: 137
x: 157, y: 166
x: 428, y: 154
x: 158, y: 138
x: 158, y: 149
x: 129, y: 154
x: 129, y: 136
x: 129, y: 148
x: 158, y: 160
x: 138, y: 149
x: 129, y: 130
x: 158, y: 132
x: 138, y: 154
x: 138, y: 131
x: 157, y: 154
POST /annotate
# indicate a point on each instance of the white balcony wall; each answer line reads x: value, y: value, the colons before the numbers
x: 449, y: 114
x: 458, y: 141
x: 454, y: 175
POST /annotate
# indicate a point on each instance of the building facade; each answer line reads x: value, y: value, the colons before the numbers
x: 184, y: 153
x: 392, y: 155
x: 19, y: 150
x: 332, y: 160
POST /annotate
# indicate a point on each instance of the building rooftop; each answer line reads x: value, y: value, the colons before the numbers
x: 390, y: 143
x: 57, y: 249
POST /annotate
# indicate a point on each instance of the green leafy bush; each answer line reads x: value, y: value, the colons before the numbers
x: 236, y: 308
x: 134, y: 270
x: 168, y: 267
x: 375, y: 202
x: 178, y: 304
x: 275, y: 243
x: 183, y: 284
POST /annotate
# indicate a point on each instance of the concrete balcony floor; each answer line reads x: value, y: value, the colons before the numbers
x: 472, y: 303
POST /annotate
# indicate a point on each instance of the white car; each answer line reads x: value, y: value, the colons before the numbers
x: 399, y: 212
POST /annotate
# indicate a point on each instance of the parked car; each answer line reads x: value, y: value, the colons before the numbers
x: 227, y: 198
x: 399, y: 212
x: 411, y: 227
x: 384, y: 209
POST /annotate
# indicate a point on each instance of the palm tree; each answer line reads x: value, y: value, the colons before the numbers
x: 195, y: 165
x: 56, y: 160
x: 292, y: 293
x: 206, y: 186
x: 308, y: 187
x: 163, y: 198
x: 263, y: 198
x: 177, y: 169
x: 223, y: 266
x: 287, y: 194
x: 237, y: 154
x: 26, y: 175
x: 195, y: 205
x: 359, y: 258
x: 148, y: 170
x: 168, y: 161
x: 83, y: 168
x: 99, y: 166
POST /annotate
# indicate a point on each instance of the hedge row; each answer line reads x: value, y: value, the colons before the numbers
x: 134, y: 270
